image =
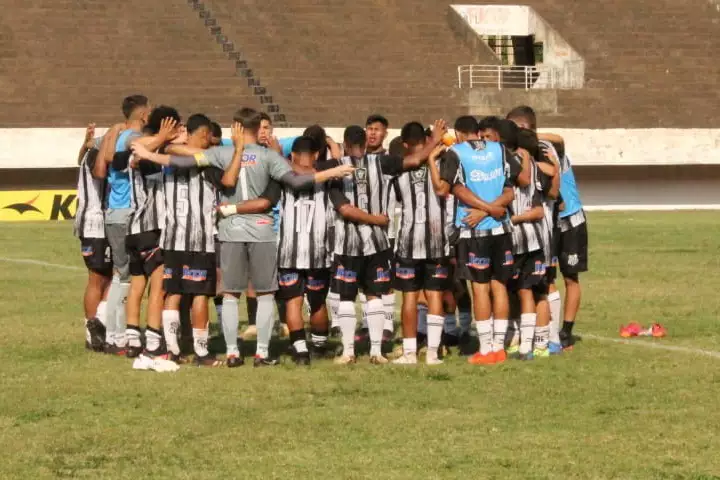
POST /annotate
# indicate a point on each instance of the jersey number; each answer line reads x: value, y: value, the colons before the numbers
x: 304, y: 214
x: 421, y: 205
x: 182, y: 200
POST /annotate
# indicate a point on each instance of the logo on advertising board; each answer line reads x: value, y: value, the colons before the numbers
x: 28, y: 206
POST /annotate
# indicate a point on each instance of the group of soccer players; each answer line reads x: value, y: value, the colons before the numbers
x: 485, y: 217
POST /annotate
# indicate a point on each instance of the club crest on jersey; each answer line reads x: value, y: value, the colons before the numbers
x: 509, y: 259
x: 288, y: 279
x: 382, y: 275
x: 539, y: 268
x: 344, y: 275
x: 167, y: 273
x: 361, y: 175
x: 478, y: 263
x: 406, y: 273
x: 87, y: 250
x: 418, y: 176
x: 315, y: 284
x: 440, y: 272
x: 193, y: 274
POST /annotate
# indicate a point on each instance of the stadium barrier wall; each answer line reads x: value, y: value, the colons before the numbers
x: 648, y: 169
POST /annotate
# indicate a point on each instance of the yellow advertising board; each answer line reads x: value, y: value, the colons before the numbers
x: 36, y: 205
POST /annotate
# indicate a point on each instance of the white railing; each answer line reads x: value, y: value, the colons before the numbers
x: 514, y: 76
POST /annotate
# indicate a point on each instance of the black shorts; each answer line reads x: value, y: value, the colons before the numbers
x: 482, y: 259
x: 529, y: 272
x: 97, y: 256
x: 370, y: 273
x: 314, y: 283
x: 573, y: 250
x: 144, y: 252
x: 190, y: 273
x: 415, y: 275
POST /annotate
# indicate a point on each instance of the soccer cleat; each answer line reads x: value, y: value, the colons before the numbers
x: 345, y: 360
x: 658, y: 331
x: 378, y: 360
x: 208, y: 360
x: 362, y: 335
x: 396, y: 352
x: 160, y: 352
x: 555, y: 348
x: 250, y: 333
x: 630, y: 330
x: 513, y: 350
x: 234, y: 361
x: 179, y: 359
x: 449, y: 340
x: 406, y: 359
x: 525, y: 356
x: 480, y: 359
x: 301, y: 359
x: 319, y: 351
x: 433, y: 360
x: 500, y: 356
x: 541, y: 353
x: 112, y: 349
x: 133, y: 352
x: 465, y: 345
x: 96, y: 331
x: 567, y: 340
x: 265, y: 362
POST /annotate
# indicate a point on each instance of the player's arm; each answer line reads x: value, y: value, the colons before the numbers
x: 87, y: 141
x: 522, y: 178
x: 335, y: 151
x: 281, y: 171
x: 352, y: 213
x: 440, y: 185
x: 262, y: 204
x: 232, y: 172
x: 552, y: 138
x: 392, y: 165
x: 533, y: 215
x: 106, y: 151
x: 164, y: 135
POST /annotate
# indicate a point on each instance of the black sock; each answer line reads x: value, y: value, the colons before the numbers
x: 251, y: 303
x: 568, y: 326
x: 281, y: 306
x: 218, y: 300
x: 421, y: 338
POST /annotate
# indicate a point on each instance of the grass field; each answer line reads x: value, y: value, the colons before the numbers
x: 606, y: 410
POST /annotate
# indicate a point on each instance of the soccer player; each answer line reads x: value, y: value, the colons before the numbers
x: 89, y: 227
x: 481, y: 175
x: 422, y: 262
x: 249, y: 247
x: 571, y: 240
x: 136, y: 109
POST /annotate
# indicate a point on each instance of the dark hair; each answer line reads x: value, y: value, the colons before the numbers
x: 396, y: 147
x: 523, y: 112
x: 528, y: 140
x: 355, y: 136
x: 249, y: 118
x: 317, y: 133
x: 508, y: 132
x: 216, y: 129
x: 375, y: 118
x: 132, y: 102
x: 265, y: 116
x: 466, y: 124
x: 304, y: 145
x: 157, y: 115
x: 198, y: 120
x: 489, y: 123
x: 413, y: 133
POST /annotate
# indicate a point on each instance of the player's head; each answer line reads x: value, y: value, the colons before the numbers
x: 488, y: 129
x: 136, y: 107
x: 466, y: 128
x: 528, y: 140
x: 354, y: 140
x: 156, y: 117
x: 216, y: 131
x: 250, y: 119
x: 199, y: 129
x: 524, y: 117
x: 413, y: 136
x: 304, y: 151
x: 376, y: 127
x: 266, y: 129
x: 396, y: 147
x: 317, y: 133
x: 508, y: 132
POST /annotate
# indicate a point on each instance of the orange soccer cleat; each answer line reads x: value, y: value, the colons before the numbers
x: 479, y: 359
x: 658, y: 331
x: 632, y: 329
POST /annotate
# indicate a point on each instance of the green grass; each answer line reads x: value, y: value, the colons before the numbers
x: 606, y: 410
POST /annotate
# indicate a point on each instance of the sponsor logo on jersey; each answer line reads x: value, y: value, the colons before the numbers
x: 194, y: 274
x: 315, y: 284
x: 344, y: 275
x: 263, y: 221
x: 482, y: 176
x: 405, y: 273
x: 248, y: 159
x: 509, y: 259
x: 441, y: 272
x: 382, y: 275
x: 288, y: 279
x: 478, y: 263
x: 87, y: 250
x: 21, y: 206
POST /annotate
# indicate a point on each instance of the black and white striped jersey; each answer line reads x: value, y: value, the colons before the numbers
x: 366, y: 189
x: 527, y: 236
x: 550, y: 205
x: 90, y: 215
x: 147, y: 201
x: 423, y: 230
x: 190, y: 198
x: 304, y: 226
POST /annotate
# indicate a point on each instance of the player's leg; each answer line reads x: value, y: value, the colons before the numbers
x: 345, y: 278
x: 115, y: 312
x: 405, y: 281
x: 573, y: 261
x: 376, y: 281
x: 234, y: 268
x: 436, y: 279
x: 156, y: 303
x: 503, y: 264
x: 316, y: 290
x: 465, y: 316
x: 262, y: 261
x: 171, y: 319
x: 291, y: 292
x: 200, y: 323
x: 554, y: 300
x: 218, y: 299
x: 99, y: 275
x: 251, y: 304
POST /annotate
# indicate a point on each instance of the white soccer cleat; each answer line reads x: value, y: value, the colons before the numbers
x: 406, y: 359
x: 378, y: 360
x: 433, y: 360
x: 345, y: 360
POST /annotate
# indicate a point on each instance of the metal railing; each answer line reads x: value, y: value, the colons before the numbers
x: 515, y: 76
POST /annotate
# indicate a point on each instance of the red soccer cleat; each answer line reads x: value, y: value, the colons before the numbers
x: 632, y: 329
x: 658, y: 331
x: 478, y: 359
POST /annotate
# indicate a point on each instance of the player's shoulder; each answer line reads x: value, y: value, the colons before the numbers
x: 326, y: 164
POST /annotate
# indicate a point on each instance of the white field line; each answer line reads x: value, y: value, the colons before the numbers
x: 657, y: 346
x: 29, y: 261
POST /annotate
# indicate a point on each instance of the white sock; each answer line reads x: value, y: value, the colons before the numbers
x: 364, y: 306
x: 88, y: 337
x: 230, y: 324
x: 265, y: 323
x: 101, y: 312
x: 555, y: 312
x: 376, y: 322
x: 422, y: 319
x: 200, y: 341
x: 542, y: 335
x: 450, y: 325
x: 389, y: 308
x: 434, y: 332
x: 485, y: 335
x: 152, y: 339
x: 121, y: 316
x: 409, y: 345
x: 465, y: 319
x: 300, y: 346
x: 527, y: 331
x: 112, y: 307
x: 500, y: 328
x: 171, y: 330
x: 514, y: 331
x: 318, y: 340
x: 346, y: 321
x: 133, y: 337
x: 218, y: 314
x: 333, y: 300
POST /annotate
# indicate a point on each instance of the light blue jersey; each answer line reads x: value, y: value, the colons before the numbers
x: 568, y: 189
x: 286, y: 144
x: 118, y: 197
